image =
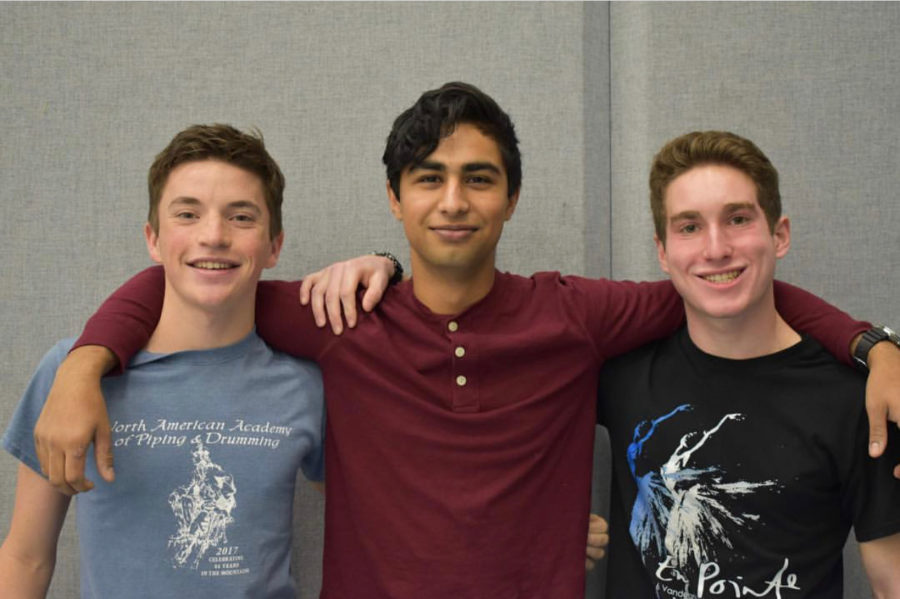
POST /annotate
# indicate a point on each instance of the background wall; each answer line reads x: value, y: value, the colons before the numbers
x: 92, y: 91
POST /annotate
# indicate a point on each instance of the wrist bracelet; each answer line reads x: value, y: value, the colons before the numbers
x: 398, y: 268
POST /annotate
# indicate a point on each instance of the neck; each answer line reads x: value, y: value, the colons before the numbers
x: 754, y: 333
x: 449, y: 290
x: 183, y: 328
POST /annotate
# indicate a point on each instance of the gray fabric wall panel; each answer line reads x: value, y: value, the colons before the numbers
x: 816, y: 85
x: 92, y: 91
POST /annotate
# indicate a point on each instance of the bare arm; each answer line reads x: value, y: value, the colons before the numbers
x: 28, y: 555
x: 73, y: 417
x: 881, y: 559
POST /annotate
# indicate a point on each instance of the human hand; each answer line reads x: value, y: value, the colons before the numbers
x: 74, y: 416
x: 597, y: 540
x: 333, y: 289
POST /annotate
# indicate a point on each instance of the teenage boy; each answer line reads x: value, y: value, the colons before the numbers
x: 739, y: 454
x: 204, y: 403
x: 461, y: 411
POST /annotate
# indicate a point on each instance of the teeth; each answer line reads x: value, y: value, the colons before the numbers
x: 207, y: 265
x: 723, y: 277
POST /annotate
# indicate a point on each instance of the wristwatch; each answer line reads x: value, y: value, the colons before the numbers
x: 874, y: 335
x: 398, y: 268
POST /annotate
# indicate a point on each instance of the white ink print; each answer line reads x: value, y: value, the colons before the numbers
x: 202, y: 509
x: 695, y: 521
x: 679, y: 511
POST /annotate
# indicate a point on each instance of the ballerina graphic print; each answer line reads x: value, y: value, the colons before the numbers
x: 685, y: 511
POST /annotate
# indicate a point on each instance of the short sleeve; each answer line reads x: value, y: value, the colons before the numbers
x: 18, y: 439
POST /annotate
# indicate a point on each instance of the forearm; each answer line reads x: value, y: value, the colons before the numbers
x: 811, y: 315
x: 28, y: 555
x: 880, y: 559
x: 89, y: 361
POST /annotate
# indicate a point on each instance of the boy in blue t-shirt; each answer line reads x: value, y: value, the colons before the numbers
x: 196, y: 413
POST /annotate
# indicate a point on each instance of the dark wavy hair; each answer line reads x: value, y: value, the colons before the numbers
x: 418, y: 130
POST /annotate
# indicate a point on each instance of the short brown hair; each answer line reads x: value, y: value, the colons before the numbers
x: 225, y: 143
x: 712, y: 147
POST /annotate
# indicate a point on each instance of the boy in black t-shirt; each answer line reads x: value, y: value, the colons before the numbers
x: 739, y: 447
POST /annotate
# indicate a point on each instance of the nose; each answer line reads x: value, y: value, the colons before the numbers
x: 214, y: 232
x: 718, y: 246
x: 453, y: 198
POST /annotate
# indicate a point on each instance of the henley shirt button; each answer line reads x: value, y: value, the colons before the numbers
x: 461, y: 381
x: 453, y: 326
x: 460, y: 351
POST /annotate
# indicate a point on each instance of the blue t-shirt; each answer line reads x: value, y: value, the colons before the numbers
x: 207, y: 446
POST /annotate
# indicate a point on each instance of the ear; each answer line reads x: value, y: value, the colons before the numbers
x: 277, y: 243
x: 782, y: 237
x: 661, y: 254
x: 152, y: 239
x: 511, y: 207
x: 396, y: 209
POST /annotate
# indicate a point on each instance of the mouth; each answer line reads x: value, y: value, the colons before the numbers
x: 720, y: 278
x: 212, y: 264
x: 454, y: 232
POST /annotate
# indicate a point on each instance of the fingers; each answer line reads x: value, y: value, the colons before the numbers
x: 305, y: 285
x: 56, y: 473
x: 62, y: 463
x: 597, y: 539
x: 877, y: 427
x: 318, y: 283
x: 103, y: 454
x: 344, y: 297
x: 375, y: 291
x: 73, y: 469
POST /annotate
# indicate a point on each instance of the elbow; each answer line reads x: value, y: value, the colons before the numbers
x: 23, y: 575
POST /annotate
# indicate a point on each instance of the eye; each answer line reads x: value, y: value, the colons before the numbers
x: 429, y: 179
x: 479, y: 180
x: 688, y: 228
x: 740, y: 219
x: 244, y: 218
x: 185, y: 215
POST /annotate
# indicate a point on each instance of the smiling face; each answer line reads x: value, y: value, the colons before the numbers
x: 213, y: 237
x: 719, y: 249
x: 453, y: 206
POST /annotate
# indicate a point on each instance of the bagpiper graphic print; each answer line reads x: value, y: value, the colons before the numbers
x: 202, y: 510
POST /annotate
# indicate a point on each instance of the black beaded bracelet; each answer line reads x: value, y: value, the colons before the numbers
x: 398, y: 268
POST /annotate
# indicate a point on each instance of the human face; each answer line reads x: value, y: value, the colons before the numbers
x: 453, y: 206
x: 719, y: 250
x: 213, y: 238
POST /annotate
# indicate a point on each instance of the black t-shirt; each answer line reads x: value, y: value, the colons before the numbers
x: 739, y: 478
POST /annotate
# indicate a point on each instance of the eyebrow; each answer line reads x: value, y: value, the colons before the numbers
x: 234, y: 205
x: 469, y: 167
x: 729, y: 209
